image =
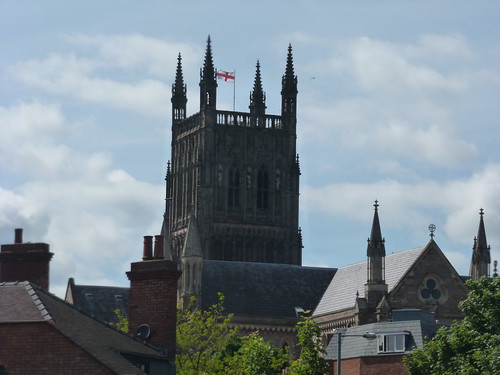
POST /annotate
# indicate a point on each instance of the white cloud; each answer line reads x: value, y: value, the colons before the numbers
x: 119, y: 58
x: 455, y: 203
x: 88, y: 211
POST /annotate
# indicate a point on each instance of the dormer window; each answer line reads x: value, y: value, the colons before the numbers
x: 392, y: 342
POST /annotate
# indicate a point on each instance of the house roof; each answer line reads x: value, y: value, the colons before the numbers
x: 351, y: 279
x: 354, y: 345
x: 263, y: 289
x: 24, y: 302
x: 99, y: 302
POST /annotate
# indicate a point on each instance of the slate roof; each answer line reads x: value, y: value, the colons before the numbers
x: 341, y: 293
x: 23, y: 301
x: 98, y: 302
x: 263, y: 289
x: 354, y: 347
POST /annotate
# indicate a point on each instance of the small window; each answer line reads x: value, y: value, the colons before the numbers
x: 392, y: 342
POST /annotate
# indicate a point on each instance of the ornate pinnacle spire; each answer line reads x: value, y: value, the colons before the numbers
x: 481, y: 257
x: 289, y: 80
x: 376, y: 246
x: 179, y: 88
x: 258, y: 97
x: 208, y: 73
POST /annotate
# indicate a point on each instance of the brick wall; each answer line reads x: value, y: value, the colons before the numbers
x: 379, y: 365
x: 38, y: 348
x: 153, y: 301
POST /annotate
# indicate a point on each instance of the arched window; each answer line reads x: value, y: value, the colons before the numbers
x: 233, y: 192
x: 262, y: 188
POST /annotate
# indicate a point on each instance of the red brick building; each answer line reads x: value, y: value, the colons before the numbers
x: 43, y: 334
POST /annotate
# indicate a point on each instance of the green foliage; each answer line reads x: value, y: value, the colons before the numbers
x: 122, y: 322
x: 469, y: 347
x: 258, y: 357
x: 310, y: 361
x: 202, y: 339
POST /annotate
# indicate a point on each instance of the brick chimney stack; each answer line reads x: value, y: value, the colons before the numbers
x: 153, y: 296
x: 25, y: 261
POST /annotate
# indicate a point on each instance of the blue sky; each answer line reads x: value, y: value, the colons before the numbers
x: 398, y: 101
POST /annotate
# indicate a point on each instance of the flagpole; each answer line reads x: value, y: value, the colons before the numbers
x: 234, y: 90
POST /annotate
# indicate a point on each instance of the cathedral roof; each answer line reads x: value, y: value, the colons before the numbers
x: 351, y: 279
x: 263, y: 289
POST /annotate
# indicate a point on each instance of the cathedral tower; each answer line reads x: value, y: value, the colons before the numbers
x: 237, y: 171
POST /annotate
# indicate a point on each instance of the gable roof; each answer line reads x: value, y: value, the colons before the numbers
x: 351, y: 279
x: 98, y: 302
x: 358, y: 346
x: 263, y: 289
x: 25, y: 302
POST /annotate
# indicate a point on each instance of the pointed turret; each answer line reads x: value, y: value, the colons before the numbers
x: 257, y: 97
x: 179, y: 94
x: 481, y: 258
x: 191, y: 264
x: 289, y: 87
x: 208, y: 82
x: 375, y: 287
x: 376, y: 244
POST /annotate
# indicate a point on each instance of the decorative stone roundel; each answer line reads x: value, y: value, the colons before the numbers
x: 431, y: 290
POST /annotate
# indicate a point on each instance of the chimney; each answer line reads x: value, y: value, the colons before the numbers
x: 147, y: 253
x: 153, y: 297
x: 158, y: 253
x: 18, y: 235
x: 25, y: 261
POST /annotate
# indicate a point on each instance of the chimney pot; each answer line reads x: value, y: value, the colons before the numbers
x: 18, y: 237
x: 158, y: 253
x: 148, y: 248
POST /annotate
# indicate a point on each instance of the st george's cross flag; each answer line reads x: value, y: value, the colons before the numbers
x: 226, y: 76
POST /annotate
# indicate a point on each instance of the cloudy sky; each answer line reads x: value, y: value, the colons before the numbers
x: 398, y: 101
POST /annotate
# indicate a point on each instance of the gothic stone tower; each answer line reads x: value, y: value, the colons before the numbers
x: 237, y: 173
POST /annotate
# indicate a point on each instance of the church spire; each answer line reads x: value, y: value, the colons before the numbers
x: 376, y: 251
x: 481, y: 258
x: 179, y: 94
x: 257, y: 97
x: 208, y: 82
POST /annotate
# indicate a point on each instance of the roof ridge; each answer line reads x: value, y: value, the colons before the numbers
x: 31, y: 289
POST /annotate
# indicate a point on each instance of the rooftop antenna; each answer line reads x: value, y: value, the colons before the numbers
x: 143, y: 331
x: 432, y: 229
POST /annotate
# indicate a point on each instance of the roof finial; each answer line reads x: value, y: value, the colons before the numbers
x: 376, y: 205
x: 481, y: 212
x: 432, y: 229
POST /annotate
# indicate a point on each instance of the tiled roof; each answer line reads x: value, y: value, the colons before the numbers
x: 99, y: 302
x: 263, y: 289
x: 356, y: 346
x: 99, y: 340
x: 351, y: 279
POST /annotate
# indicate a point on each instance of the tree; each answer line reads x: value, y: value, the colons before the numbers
x: 258, y: 357
x: 310, y: 361
x: 121, y: 323
x: 469, y: 347
x: 203, y: 339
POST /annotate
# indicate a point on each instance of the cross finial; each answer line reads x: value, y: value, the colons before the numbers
x: 481, y: 212
x: 432, y: 229
x: 376, y: 205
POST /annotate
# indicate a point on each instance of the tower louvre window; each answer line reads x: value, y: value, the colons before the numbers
x: 233, y: 196
x: 262, y: 188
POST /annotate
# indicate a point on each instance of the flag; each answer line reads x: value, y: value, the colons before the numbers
x: 226, y: 76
